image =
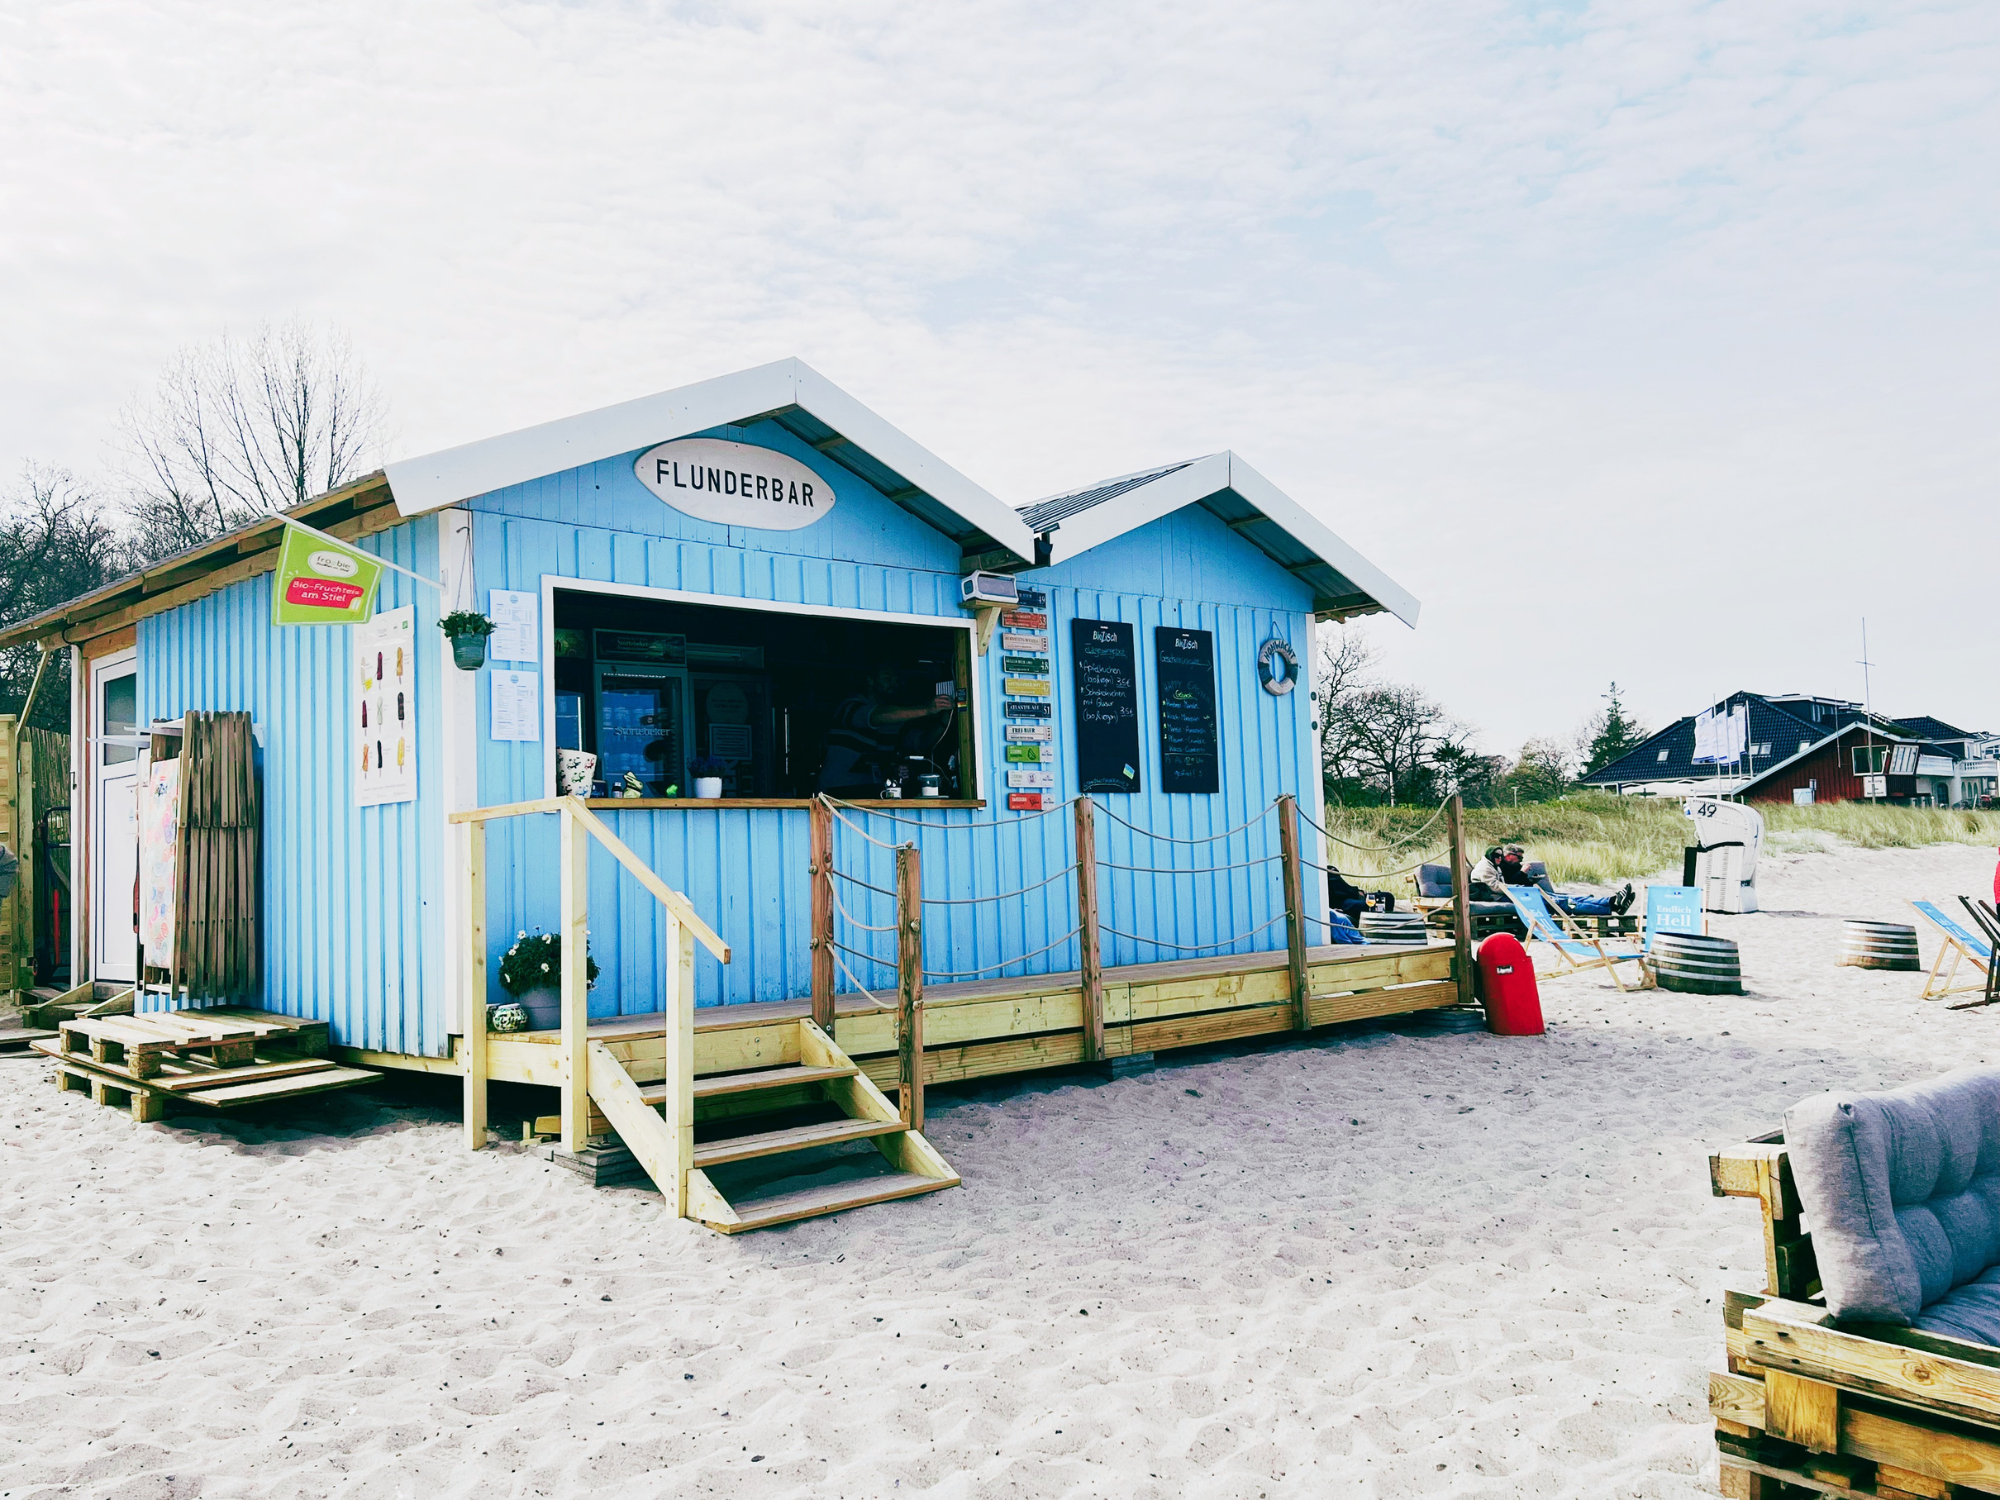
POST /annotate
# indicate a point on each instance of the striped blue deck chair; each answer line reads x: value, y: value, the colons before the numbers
x: 1577, y: 950
x: 1961, y: 944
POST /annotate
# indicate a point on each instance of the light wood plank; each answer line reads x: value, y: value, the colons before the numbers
x: 473, y: 1004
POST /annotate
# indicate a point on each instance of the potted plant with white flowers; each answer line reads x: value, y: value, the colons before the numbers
x: 531, y: 971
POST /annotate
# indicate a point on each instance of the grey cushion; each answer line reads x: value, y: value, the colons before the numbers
x: 1433, y: 881
x: 1901, y: 1192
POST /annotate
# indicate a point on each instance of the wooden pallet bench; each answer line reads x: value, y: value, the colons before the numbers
x: 216, y: 1059
x: 1810, y: 1406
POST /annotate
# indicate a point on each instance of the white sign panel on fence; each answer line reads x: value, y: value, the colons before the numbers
x: 1031, y: 778
x: 735, y: 484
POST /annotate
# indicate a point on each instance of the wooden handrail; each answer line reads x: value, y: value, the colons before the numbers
x: 665, y: 894
x: 668, y: 897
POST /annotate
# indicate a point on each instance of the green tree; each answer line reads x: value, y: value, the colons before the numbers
x: 1541, y: 774
x: 1609, y: 734
x: 57, y: 540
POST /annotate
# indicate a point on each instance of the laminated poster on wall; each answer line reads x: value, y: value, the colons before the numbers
x: 159, y: 840
x: 385, y: 708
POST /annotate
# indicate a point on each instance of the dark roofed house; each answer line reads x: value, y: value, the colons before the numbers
x: 1807, y: 749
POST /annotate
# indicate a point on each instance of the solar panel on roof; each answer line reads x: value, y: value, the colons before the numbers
x: 1045, y: 513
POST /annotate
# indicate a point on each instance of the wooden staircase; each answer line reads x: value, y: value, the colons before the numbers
x: 796, y: 1178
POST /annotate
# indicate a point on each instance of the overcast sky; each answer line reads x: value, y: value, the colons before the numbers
x: 1648, y: 341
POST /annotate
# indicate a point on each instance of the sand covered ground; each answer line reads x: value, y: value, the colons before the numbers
x: 1375, y: 1264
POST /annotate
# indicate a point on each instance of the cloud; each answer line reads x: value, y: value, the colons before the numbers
x: 1665, y: 325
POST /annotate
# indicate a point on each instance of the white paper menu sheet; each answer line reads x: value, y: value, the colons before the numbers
x: 517, y: 705
x: 517, y: 626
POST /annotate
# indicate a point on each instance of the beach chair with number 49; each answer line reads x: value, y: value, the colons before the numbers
x: 1576, y: 948
x: 1960, y: 944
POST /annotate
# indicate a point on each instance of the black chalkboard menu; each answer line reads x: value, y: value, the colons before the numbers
x: 1107, y: 705
x: 1184, y: 663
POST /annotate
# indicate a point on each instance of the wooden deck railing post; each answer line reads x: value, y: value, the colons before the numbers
x: 472, y: 1011
x: 680, y: 1057
x: 1091, y: 955
x: 1461, y: 897
x: 821, y: 867
x: 575, y: 986
x: 1295, y: 911
x: 910, y: 987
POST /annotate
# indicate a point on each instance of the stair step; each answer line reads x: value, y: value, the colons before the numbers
x: 743, y: 1083
x: 798, y: 1138
x: 830, y: 1198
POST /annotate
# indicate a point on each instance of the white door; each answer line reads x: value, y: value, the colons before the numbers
x: 114, y: 903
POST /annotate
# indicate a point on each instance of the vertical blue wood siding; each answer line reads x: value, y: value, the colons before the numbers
x: 745, y: 870
x: 351, y: 931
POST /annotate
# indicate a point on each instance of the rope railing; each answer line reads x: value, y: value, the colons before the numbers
x: 1064, y: 873
x: 854, y: 921
x: 1195, y: 947
x: 1301, y: 909
x: 1168, y: 838
x: 1307, y: 818
x: 860, y: 988
x: 1203, y: 870
x: 1019, y: 958
x: 883, y: 812
x: 857, y: 880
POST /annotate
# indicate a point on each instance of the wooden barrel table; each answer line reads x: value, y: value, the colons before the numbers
x: 1405, y: 927
x: 1878, y: 945
x: 1696, y: 965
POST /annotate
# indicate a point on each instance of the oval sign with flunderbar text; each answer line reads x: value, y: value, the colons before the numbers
x: 735, y: 484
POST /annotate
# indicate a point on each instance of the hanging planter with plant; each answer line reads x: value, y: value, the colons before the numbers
x: 531, y: 971
x: 467, y: 629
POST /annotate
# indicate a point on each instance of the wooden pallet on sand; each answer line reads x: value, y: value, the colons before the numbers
x: 218, y: 1059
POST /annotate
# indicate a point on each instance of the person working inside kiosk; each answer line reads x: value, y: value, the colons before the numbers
x: 868, y: 730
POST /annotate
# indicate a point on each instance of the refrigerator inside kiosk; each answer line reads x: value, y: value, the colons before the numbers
x: 643, y: 696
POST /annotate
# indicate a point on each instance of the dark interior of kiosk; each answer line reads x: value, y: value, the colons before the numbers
x: 663, y: 691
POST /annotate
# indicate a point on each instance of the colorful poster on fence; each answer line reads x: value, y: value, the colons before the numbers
x: 159, y: 846
x: 323, y: 582
x: 385, y: 708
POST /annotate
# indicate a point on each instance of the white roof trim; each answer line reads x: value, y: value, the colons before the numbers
x: 1211, y: 475
x: 435, y: 480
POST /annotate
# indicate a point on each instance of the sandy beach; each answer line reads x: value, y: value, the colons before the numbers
x: 1379, y: 1263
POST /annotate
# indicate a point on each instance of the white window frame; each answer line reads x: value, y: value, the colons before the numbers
x: 552, y: 582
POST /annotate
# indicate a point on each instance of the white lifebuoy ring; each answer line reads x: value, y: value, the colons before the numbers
x: 1277, y: 667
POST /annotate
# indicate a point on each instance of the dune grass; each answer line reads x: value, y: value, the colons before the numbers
x: 1596, y: 838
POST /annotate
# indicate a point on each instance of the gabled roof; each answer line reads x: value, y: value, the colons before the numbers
x: 788, y: 392
x: 1924, y: 727
x: 1770, y: 724
x: 1344, y: 583
x: 1805, y: 752
x: 356, y: 509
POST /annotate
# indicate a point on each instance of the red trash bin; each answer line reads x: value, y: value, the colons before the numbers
x: 1507, y: 985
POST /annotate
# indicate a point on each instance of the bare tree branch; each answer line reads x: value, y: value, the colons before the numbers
x: 236, y: 430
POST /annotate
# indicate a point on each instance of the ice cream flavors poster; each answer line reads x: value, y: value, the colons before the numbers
x: 385, y: 708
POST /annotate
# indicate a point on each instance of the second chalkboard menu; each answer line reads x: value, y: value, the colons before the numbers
x: 1107, y: 705
x: 1185, y: 662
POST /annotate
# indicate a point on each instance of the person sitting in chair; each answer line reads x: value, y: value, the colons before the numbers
x: 1344, y: 896
x: 1488, y: 880
x: 1514, y: 871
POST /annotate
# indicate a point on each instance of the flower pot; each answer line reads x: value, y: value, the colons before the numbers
x: 544, y: 1008
x: 504, y: 1018
x: 468, y: 652
x: 708, y: 786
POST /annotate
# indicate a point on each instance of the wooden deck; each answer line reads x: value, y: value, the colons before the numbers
x: 1000, y: 1026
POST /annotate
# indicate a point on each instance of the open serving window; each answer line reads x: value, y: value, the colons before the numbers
x: 775, y: 702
